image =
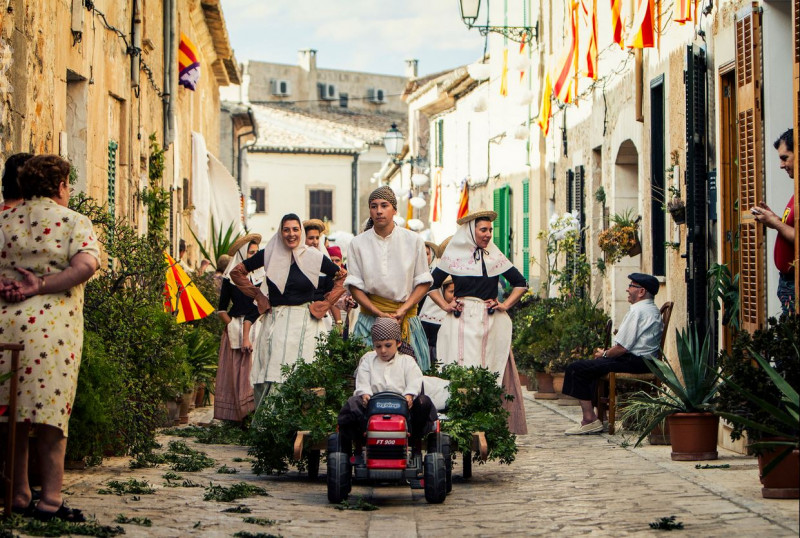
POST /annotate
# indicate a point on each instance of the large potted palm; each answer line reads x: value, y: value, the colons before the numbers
x: 685, y: 398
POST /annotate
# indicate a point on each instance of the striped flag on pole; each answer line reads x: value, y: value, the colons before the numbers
x: 565, y: 68
x: 181, y: 296
x: 683, y: 11
x: 643, y: 31
x: 591, y: 47
x: 544, y: 108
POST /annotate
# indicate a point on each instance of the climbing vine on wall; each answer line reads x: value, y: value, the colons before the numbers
x: 155, y: 197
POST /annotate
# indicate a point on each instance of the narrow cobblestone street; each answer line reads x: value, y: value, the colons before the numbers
x: 576, y: 485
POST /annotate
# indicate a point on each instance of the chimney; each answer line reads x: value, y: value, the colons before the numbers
x: 411, y: 68
x: 307, y: 59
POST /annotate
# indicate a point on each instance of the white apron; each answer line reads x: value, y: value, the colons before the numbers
x: 287, y: 333
x: 476, y: 338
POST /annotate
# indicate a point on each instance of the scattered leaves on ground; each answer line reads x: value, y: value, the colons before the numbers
x: 217, y: 434
x: 245, y: 534
x: 227, y: 470
x: 707, y: 466
x: 142, y: 521
x: 182, y: 458
x: 56, y: 527
x: 130, y: 486
x: 241, y: 509
x: 242, y: 490
x: 358, y: 504
x: 667, y: 524
x: 264, y: 522
x: 170, y: 475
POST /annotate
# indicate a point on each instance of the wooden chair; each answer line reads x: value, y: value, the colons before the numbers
x: 9, y: 410
x: 611, y: 400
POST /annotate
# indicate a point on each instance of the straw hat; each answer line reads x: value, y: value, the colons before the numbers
x: 242, y: 241
x: 434, y: 247
x: 315, y: 224
x: 481, y: 213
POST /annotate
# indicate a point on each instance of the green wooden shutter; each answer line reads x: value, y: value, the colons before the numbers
x: 502, y: 226
x: 112, y: 186
x: 526, y: 224
x: 440, y: 143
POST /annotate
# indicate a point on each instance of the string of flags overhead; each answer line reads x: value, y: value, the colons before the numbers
x: 579, y: 55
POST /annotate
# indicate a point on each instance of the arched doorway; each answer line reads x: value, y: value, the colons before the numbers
x: 626, y: 197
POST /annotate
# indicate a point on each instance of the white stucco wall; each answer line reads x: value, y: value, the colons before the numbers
x: 288, y: 178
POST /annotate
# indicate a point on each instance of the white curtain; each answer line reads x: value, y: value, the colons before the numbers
x: 226, y: 198
x: 201, y: 189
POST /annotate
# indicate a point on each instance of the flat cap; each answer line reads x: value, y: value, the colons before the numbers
x: 648, y: 282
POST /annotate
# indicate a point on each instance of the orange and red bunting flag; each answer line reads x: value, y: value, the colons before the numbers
x: 409, y: 209
x: 617, y: 24
x: 644, y: 26
x: 521, y: 52
x: 181, y: 296
x: 544, y: 108
x: 463, y: 201
x: 591, y: 49
x: 683, y: 11
x: 566, y: 66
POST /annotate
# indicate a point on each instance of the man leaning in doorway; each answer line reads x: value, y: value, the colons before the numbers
x: 784, y: 225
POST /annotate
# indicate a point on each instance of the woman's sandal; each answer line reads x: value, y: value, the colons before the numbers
x: 24, y: 511
x: 73, y: 515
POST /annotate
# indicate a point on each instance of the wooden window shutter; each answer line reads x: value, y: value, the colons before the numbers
x: 526, y: 225
x: 751, y: 167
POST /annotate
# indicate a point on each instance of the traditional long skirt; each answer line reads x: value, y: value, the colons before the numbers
x: 478, y: 338
x: 233, y: 393
x: 288, y: 333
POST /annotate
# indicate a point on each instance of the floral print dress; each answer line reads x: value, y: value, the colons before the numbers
x: 42, y: 236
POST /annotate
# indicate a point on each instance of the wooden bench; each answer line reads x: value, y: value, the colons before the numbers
x: 608, y: 400
x: 9, y: 410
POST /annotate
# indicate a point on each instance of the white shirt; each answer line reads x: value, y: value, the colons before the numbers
x: 641, y: 329
x: 400, y: 375
x: 390, y: 267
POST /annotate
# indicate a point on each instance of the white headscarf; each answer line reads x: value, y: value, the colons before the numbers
x: 462, y: 257
x: 256, y: 277
x: 278, y: 261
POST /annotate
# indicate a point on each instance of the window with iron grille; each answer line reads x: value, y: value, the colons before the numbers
x: 320, y: 204
x: 259, y: 196
x: 440, y: 143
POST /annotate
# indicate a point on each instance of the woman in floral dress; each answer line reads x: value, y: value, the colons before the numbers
x: 47, y: 253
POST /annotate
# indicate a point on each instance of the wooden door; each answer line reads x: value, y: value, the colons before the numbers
x: 729, y: 179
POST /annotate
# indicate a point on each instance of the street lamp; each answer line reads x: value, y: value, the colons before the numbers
x: 393, y: 141
x: 469, y: 14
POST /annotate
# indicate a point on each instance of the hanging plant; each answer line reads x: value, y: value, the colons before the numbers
x: 621, y: 238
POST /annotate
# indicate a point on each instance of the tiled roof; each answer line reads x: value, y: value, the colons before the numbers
x: 284, y: 127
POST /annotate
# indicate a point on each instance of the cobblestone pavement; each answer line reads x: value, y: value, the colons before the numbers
x: 576, y: 485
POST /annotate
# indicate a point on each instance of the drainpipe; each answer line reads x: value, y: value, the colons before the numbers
x: 136, y: 43
x: 354, y: 194
x: 170, y: 59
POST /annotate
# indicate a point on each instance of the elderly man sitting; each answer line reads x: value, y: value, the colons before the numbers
x: 638, y: 338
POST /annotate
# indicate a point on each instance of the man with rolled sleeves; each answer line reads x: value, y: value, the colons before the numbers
x: 638, y: 338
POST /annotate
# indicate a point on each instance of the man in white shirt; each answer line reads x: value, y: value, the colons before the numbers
x: 388, y: 274
x: 637, y: 340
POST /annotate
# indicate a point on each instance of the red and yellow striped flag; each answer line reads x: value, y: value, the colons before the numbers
x: 566, y: 66
x: 591, y: 49
x: 181, y: 296
x: 188, y: 64
x: 617, y: 24
x: 436, y: 205
x: 463, y: 201
x: 544, y: 108
x: 643, y: 31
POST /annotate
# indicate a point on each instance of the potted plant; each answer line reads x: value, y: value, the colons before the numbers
x: 621, y: 238
x: 760, y: 401
x: 676, y: 206
x: 202, y: 357
x: 685, y: 398
x: 532, y: 321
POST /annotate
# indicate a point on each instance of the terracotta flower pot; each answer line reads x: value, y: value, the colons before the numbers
x: 200, y: 395
x: 693, y: 436
x: 783, y: 481
x: 558, y: 382
x: 660, y: 435
x: 544, y: 387
x: 523, y: 379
